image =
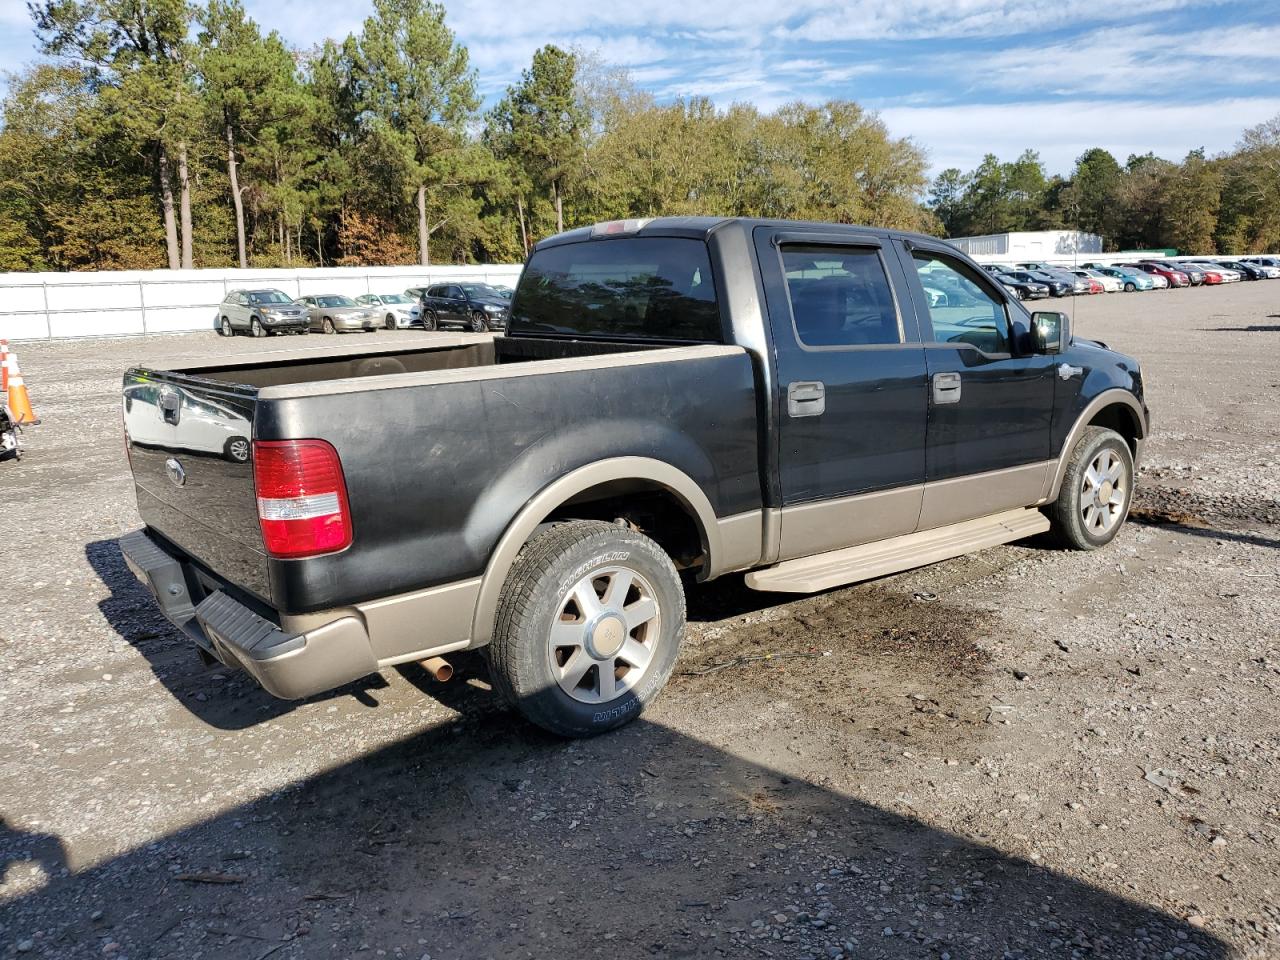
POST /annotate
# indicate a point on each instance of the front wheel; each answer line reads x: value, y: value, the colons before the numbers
x: 391, y: 321
x: 479, y: 324
x: 429, y: 320
x: 1096, y: 492
x: 588, y: 628
x: 255, y: 328
x: 328, y: 326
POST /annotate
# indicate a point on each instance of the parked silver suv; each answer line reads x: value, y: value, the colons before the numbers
x: 260, y: 312
x: 334, y: 313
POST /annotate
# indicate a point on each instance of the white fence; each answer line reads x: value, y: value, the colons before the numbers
x: 42, y: 306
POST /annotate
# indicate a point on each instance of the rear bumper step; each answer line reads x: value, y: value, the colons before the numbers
x: 288, y: 665
x: 852, y: 564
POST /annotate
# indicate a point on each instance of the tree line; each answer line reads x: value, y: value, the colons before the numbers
x: 164, y: 132
x: 175, y: 133
x: 1226, y: 204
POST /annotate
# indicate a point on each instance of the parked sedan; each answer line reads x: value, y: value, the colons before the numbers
x: 474, y: 306
x: 1023, y: 289
x: 1195, y: 275
x: 1176, y: 278
x: 397, y: 310
x: 1107, y: 284
x: 260, y: 312
x: 334, y: 313
x: 1226, y: 274
x: 1248, y: 271
x: 1057, y: 286
x: 1130, y: 279
x: 1270, y: 264
x: 1209, y: 275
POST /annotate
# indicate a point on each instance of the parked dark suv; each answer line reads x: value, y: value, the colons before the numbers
x: 473, y: 306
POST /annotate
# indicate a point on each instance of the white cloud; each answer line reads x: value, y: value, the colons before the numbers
x: 959, y: 135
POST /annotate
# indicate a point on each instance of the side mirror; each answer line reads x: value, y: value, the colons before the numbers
x: 1050, y: 331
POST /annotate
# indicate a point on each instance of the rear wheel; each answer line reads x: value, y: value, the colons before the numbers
x: 328, y: 326
x: 255, y: 328
x: 1096, y: 492
x: 479, y: 323
x: 224, y: 328
x: 588, y: 628
x: 1130, y: 287
x: 236, y: 449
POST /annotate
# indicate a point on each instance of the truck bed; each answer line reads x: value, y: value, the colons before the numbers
x: 440, y: 442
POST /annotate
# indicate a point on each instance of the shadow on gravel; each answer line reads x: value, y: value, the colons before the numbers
x: 487, y: 839
x: 221, y: 697
x: 1252, y: 328
x: 1148, y: 518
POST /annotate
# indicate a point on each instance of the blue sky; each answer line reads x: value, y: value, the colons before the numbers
x: 961, y: 77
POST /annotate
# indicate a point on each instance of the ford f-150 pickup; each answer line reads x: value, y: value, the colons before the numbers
x: 677, y: 399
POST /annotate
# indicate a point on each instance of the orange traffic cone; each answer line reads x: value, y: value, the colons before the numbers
x: 16, y: 391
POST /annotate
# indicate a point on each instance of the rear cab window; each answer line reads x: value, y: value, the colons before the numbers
x: 840, y: 296
x: 632, y: 288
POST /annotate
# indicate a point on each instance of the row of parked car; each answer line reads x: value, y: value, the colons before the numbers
x: 1035, y: 280
x: 479, y: 307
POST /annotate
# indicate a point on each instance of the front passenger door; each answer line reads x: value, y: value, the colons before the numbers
x: 990, y: 401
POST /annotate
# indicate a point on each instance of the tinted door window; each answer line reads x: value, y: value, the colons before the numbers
x: 839, y: 296
x: 629, y: 288
x: 961, y: 308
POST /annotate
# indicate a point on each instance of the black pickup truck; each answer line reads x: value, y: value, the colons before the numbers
x: 675, y: 395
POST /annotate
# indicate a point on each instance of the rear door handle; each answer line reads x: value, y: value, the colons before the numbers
x: 806, y: 398
x: 946, y: 387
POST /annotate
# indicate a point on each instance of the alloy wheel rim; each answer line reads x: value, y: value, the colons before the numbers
x: 240, y: 450
x: 604, y: 634
x: 1103, y: 492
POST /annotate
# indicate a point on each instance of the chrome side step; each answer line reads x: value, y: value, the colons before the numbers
x: 870, y: 560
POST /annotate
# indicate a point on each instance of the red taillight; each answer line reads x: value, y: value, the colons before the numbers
x: 302, y: 498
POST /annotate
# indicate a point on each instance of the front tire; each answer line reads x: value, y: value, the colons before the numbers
x: 479, y: 323
x: 1130, y: 287
x: 255, y: 328
x: 429, y: 320
x: 1097, y: 490
x: 391, y: 321
x: 588, y: 628
x: 328, y: 326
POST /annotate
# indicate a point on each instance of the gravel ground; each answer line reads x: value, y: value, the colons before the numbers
x: 1021, y: 753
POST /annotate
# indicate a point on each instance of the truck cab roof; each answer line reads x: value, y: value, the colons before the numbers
x: 701, y: 228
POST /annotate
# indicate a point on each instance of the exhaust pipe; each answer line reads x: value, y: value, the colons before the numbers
x: 439, y: 668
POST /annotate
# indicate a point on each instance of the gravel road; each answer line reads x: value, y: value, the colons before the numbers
x: 1020, y: 753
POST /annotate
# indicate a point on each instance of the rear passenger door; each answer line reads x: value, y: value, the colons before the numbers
x: 990, y: 400
x: 851, y: 377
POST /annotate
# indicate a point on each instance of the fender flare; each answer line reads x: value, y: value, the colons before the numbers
x: 1116, y: 396
x: 546, y: 500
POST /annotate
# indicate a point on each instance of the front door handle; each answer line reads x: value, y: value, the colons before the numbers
x: 946, y: 387
x: 1066, y: 371
x: 806, y: 398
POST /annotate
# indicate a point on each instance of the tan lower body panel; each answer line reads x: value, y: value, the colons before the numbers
x: 982, y: 494
x: 811, y: 528
x: 849, y: 565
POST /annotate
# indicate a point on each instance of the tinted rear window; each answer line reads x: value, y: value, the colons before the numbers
x: 650, y: 288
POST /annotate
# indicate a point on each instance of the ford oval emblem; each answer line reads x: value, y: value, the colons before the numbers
x: 177, y: 476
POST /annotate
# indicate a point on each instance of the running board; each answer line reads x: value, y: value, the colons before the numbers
x: 870, y: 560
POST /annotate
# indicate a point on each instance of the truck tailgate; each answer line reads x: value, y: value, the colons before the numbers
x: 190, y: 447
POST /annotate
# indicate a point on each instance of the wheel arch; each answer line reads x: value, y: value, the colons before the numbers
x: 606, y: 482
x: 1116, y: 409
